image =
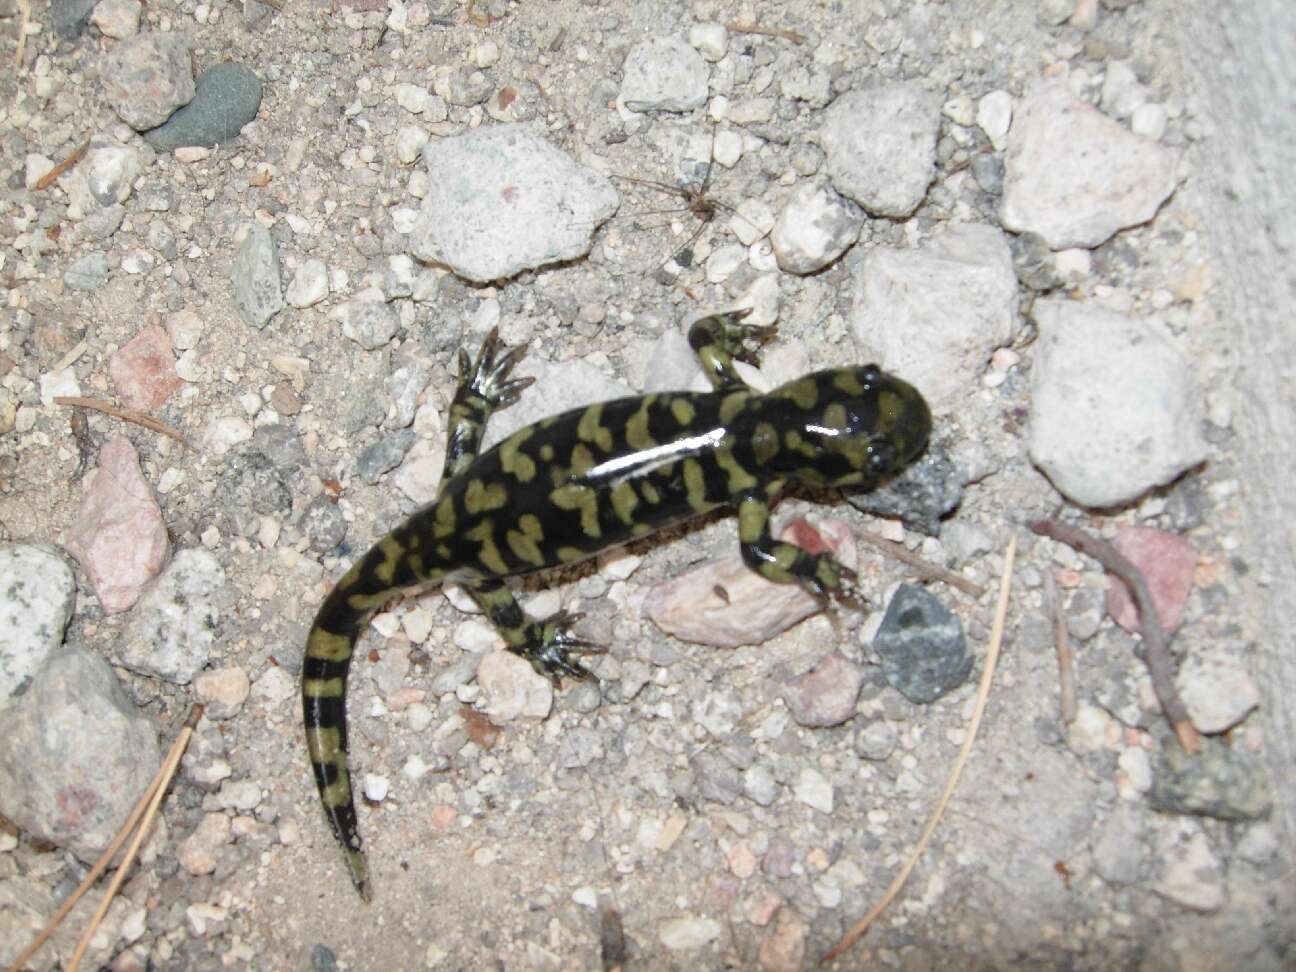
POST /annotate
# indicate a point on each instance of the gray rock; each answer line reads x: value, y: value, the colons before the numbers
x: 383, y: 455
x: 1033, y: 261
x: 759, y: 785
x: 147, y: 78
x: 1075, y: 176
x: 88, y: 273
x: 174, y: 625
x: 717, y: 779
x: 71, y: 16
x: 37, y: 594
x: 368, y: 320
x: 1221, y: 781
x: 1119, y: 851
x: 258, y: 293
x: 75, y: 754
x: 664, y: 74
x: 323, y: 523
x: 876, y: 741
x: 251, y: 483
x: 227, y: 97
x: 920, y: 495
x: 815, y: 227
x: 1113, y: 409
x: 946, y: 306
x: 502, y: 200
x: 881, y: 146
x: 922, y: 647
x: 409, y: 377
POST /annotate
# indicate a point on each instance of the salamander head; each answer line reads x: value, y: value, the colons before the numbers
x: 847, y: 427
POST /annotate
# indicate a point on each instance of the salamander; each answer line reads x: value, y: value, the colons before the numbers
x: 575, y: 484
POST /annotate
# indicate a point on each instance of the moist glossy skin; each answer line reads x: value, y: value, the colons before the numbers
x: 573, y: 485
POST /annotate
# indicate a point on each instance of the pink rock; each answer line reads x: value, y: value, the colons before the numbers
x: 1167, y: 563
x: 825, y: 695
x: 725, y: 604
x: 784, y: 949
x: 143, y: 372
x: 118, y: 535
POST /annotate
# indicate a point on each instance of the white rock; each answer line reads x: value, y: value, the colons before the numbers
x: 815, y: 227
x: 117, y: 18
x: 1148, y: 121
x: 501, y: 200
x: 1217, y: 689
x: 512, y: 689
x: 687, y: 934
x: 412, y: 97
x: 368, y: 319
x: 934, y: 315
x: 727, y: 149
x: 37, y: 594
x: 376, y: 787
x: 663, y: 74
x: 751, y: 221
x: 710, y: 40
x: 1113, y: 410
x: 1191, y: 874
x: 1121, y: 91
x: 225, y: 432
x: 723, y: 261
x: 881, y: 146
x: 814, y: 790
x: 1075, y: 176
x: 409, y: 144
x: 994, y: 115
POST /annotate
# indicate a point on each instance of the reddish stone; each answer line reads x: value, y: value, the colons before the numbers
x: 118, y: 536
x: 143, y: 372
x: 1167, y: 563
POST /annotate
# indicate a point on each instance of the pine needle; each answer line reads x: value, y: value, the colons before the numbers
x: 147, y: 803
x: 862, y: 926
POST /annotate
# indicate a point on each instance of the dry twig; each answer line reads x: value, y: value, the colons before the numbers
x: 1065, y: 657
x: 126, y: 415
x: 858, y: 930
x: 49, y: 177
x: 925, y: 568
x: 790, y: 35
x: 147, y: 804
x: 24, y: 10
x: 1156, y: 653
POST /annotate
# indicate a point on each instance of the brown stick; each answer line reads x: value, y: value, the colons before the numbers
x: 48, y: 178
x: 1062, y: 645
x: 858, y: 930
x: 1157, y: 655
x: 106, y: 857
x: 126, y: 415
x: 791, y: 35
x: 925, y: 568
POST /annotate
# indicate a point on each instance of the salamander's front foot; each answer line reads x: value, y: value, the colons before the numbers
x: 488, y: 377
x: 833, y: 584
x: 743, y: 342
x: 552, y: 647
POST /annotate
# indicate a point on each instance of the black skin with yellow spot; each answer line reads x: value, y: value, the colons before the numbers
x: 573, y: 485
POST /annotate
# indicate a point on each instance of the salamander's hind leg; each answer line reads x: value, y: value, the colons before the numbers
x: 786, y: 563
x: 484, y: 385
x: 547, y: 645
x: 721, y: 339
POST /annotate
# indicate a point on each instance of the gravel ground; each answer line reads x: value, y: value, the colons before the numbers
x: 259, y: 297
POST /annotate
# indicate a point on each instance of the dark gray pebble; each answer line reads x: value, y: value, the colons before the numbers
x: 228, y: 97
x: 922, y: 647
x: 1221, y: 781
x: 384, y: 454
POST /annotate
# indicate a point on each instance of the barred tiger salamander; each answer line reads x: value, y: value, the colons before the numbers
x: 572, y: 485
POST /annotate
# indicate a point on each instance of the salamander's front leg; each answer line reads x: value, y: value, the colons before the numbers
x: 545, y: 644
x: 786, y: 563
x: 484, y: 385
x: 720, y: 339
